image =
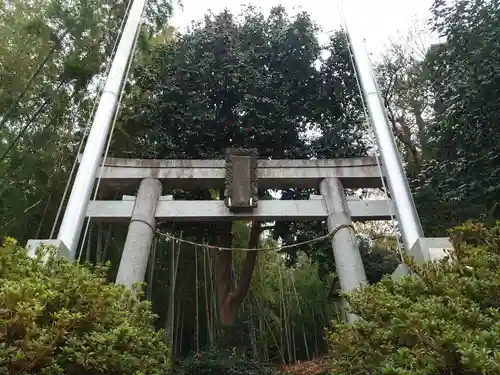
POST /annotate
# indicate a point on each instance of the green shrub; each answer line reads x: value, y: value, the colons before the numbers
x: 444, y: 320
x: 60, y: 318
x: 215, y: 362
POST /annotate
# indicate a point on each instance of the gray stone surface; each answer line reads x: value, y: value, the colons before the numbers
x: 123, y: 174
x: 425, y: 250
x: 348, y: 262
x: 62, y: 250
x: 277, y: 210
x: 430, y: 249
x: 348, y: 197
x: 133, y: 198
x: 140, y: 234
x: 400, y: 271
x: 241, y: 185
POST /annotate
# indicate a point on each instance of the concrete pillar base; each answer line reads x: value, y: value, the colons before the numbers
x: 426, y: 249
x: 62, y: 250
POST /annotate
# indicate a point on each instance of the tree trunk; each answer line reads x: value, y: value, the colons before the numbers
x: 230, y: 302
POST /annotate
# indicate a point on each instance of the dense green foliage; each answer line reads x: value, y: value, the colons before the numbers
x: 250, y: 80
x: 282, y: 318
x: 460, y: 177
x: 245, y: 81
x: 442, y: 320
x: 214, y: 362
x: 442, y: 106
x: 53, y: 56
x: 63, y: 319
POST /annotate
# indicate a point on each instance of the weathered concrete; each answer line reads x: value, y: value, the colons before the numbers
x: 135, y: 254
x: 431, y: 249
x: 426, y: 249
x: 272, y: 174
x: 192, y: 211
x: 241, y: 192
x: 401, y: 270
x: 348, y: 198
x: 62, y: 250
x: 132, y: 198
x: 348, y: 262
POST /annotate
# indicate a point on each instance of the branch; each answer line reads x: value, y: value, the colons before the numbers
x: 421, y: 128
x: 405, y: 136
x: 397, y: 131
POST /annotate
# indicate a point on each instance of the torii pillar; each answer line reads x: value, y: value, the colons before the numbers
x: 348, y: 262
x: 134, y: 260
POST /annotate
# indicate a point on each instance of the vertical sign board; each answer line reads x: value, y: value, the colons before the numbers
x: 241, y: 179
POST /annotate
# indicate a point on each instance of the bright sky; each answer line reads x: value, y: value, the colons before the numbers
x: 380, y: 21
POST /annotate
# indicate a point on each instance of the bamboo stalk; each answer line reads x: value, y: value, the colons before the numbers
x: 284, y: 316
x: 43, y: 216
x: 253, y: 337
x: 89, y: 244
x: 280, y: 349
x: 294, y: 344
x: 182, y: 329
x: 197, y: 301
x: 301, y: 315
x: 215, y: 311
x: 262, y: 338
x: 176, y: 334
x: 315, y: 326
x: 174, y: 263
x: 209, y: 323
x: 98, y: 257
x: 106, y: 244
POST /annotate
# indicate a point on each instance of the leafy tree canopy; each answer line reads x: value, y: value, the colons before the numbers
x: 245, y: 81
x: 464, y: 171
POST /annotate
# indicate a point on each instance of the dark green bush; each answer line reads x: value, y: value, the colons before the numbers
x: 213, y: 362
x: 58, y: 318
x: 443, y: 320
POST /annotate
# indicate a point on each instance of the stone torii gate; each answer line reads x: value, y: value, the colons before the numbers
x: 241, y: 175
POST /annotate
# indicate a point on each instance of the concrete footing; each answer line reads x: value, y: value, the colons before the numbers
x: 62, y: 250
x: 426, y: 249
